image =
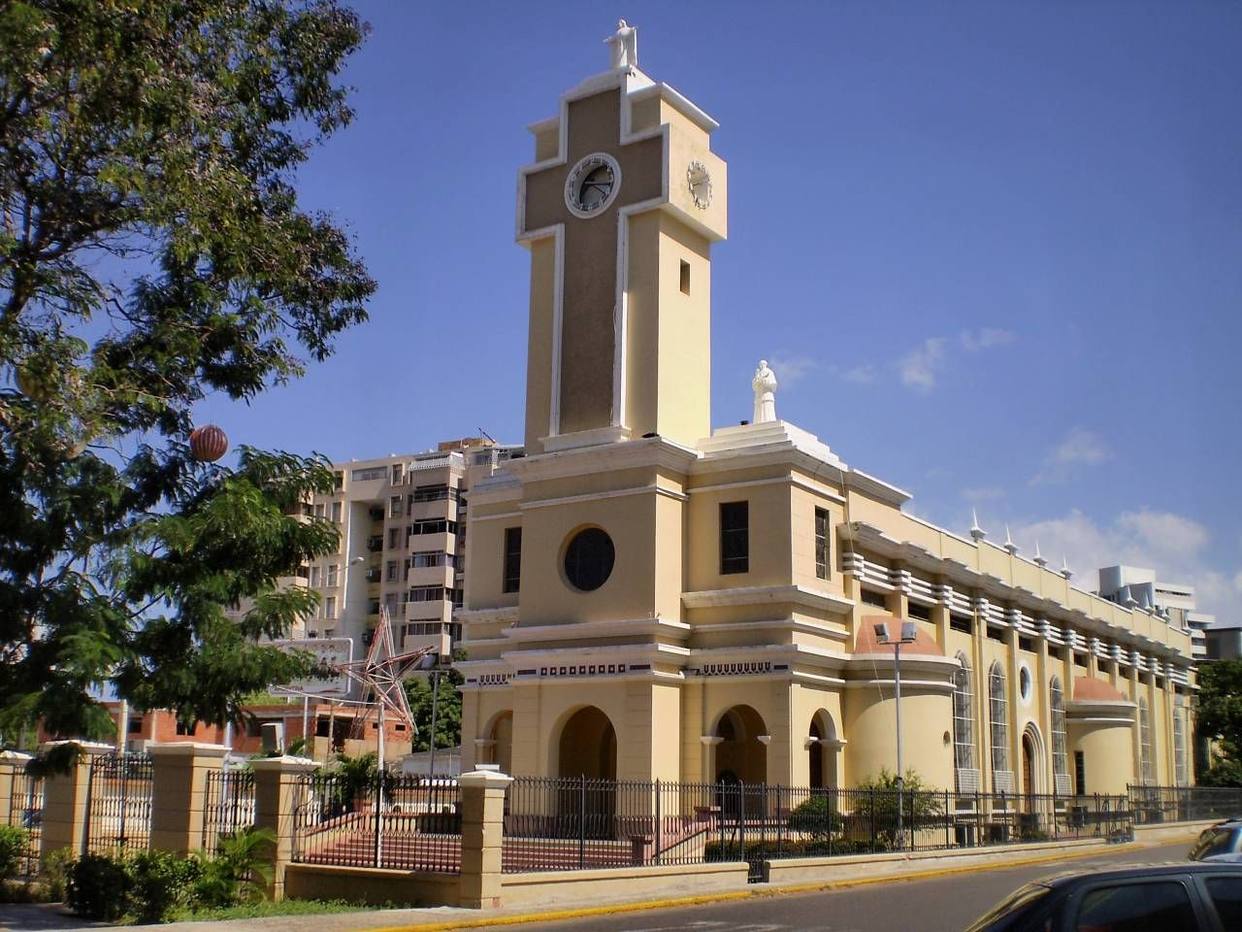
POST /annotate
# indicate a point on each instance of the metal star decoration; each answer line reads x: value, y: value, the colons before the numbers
x: 383, y: 670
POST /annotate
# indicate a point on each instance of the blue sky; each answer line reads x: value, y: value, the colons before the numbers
x: 994, y: 251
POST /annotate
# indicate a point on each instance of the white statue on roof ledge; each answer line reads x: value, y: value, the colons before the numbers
x: 624, y: 44
x: 764, y: 384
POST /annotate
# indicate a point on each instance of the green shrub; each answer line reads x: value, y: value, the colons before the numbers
x: 772, y: 849
x: 816, y: 817
x: 13, y: 842
x: 54, y: 872
x: 238, y: 872
x: 161, y: 883
x: 98, y: 887
x: 158, y: 886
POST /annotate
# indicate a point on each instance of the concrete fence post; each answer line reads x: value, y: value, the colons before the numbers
x: 277, y: 793
x: 65, y: 801
x: 179, y: 793
x: 12, y: 765
x: 482, y: 833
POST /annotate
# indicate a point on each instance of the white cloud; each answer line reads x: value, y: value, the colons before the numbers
x: 1175, y: 546
x: 920, y: 366
x: 790, y: 369
x: 985, y: 338
x: 1080, y: 447
x: 865, y: 374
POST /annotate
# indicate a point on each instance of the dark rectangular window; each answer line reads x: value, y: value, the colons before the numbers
x: 184, y: 729
x: 871, y: 597
x: 394, y: 538
x: 513, y: 559
x: 1080, y: 773
x: 996, y: 634
x: 821, y: 543
x: 425, y: 594
x: 1026, y: 644
x: 685, y: 277
x: 135, y: 725
x: 921, y: 612
x: 962, y: 623
x: 1080, y: 660
x: 734, y: 537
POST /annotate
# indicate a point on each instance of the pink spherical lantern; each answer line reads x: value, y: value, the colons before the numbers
x: 208, y: 444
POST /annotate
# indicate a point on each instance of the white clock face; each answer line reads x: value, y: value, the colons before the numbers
x: 592, y: 185
x: 700, y: 184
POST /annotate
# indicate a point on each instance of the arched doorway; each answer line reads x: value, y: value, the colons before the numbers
x: 1028, y: 765
x: 1035, y: 807
x: 499, y: 743
x: 588, y: 746
x: 742, y: 752
x: 822, y: 745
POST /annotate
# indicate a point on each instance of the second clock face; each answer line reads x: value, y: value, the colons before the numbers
x: 592, y: 185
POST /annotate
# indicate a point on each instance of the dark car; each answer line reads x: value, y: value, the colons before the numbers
x: 1221, y: 842
x: 1197, y: 897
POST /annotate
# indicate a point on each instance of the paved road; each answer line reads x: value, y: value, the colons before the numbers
x: 945, y: 904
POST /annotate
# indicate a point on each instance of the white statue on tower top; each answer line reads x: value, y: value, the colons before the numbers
x: 764, y: 384
x: 624, y: 44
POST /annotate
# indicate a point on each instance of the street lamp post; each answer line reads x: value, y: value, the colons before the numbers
x: 909, y: 633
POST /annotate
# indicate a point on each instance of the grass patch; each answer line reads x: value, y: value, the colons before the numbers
x: 266, y: 908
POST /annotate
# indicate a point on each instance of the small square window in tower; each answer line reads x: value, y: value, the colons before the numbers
x: 685, y: 277
x: 734, y: 537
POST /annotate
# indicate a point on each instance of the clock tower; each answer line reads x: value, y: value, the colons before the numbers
x: 619, y: 211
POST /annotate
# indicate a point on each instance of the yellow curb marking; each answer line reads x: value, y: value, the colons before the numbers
x: 674, y: 902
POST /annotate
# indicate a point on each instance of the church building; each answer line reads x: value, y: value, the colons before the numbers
x: 652, y: 598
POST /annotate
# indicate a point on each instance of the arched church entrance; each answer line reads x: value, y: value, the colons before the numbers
x: 822, y: 749
x: 499, y: 742
x: 588, y: 746
x: 742, y: 752
x: 1028, y: 765
x: 1035, y: 809
x: 741, y: 758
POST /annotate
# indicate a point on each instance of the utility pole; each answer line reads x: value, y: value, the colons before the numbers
x: 909, y: 632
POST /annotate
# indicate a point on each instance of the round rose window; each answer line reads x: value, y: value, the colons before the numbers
x: 589, y: 559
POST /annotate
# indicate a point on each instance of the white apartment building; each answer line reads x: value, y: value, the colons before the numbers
x: 1136, y: 586
x: 402, y: 522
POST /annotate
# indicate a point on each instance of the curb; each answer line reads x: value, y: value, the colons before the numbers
x: 582, y: 912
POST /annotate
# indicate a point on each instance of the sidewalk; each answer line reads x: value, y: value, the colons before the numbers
x: 445, y: 917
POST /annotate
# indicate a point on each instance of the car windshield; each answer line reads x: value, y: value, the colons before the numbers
x: 1218, y: 842
x: 1011, y: 907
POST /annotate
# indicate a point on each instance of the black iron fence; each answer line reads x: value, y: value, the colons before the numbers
x: 228, y: 804
x: 409, y: 822
x: 1155, y: 804
x: 26, y: 812
x: 118, y: 803
x: 576, y: 823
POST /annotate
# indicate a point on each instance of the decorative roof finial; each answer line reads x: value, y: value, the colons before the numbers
x: 764, y: 384
x: 1065, y: 570
x: 624, y: 42
x: 976, y: 532
x: 1040, y: 559
x: 1009, y: 544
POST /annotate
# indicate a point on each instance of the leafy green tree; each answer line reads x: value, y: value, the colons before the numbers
x: 152, y: 252
x: 875, y: 804
x: 1219, y: 720
x: 448, y: 709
